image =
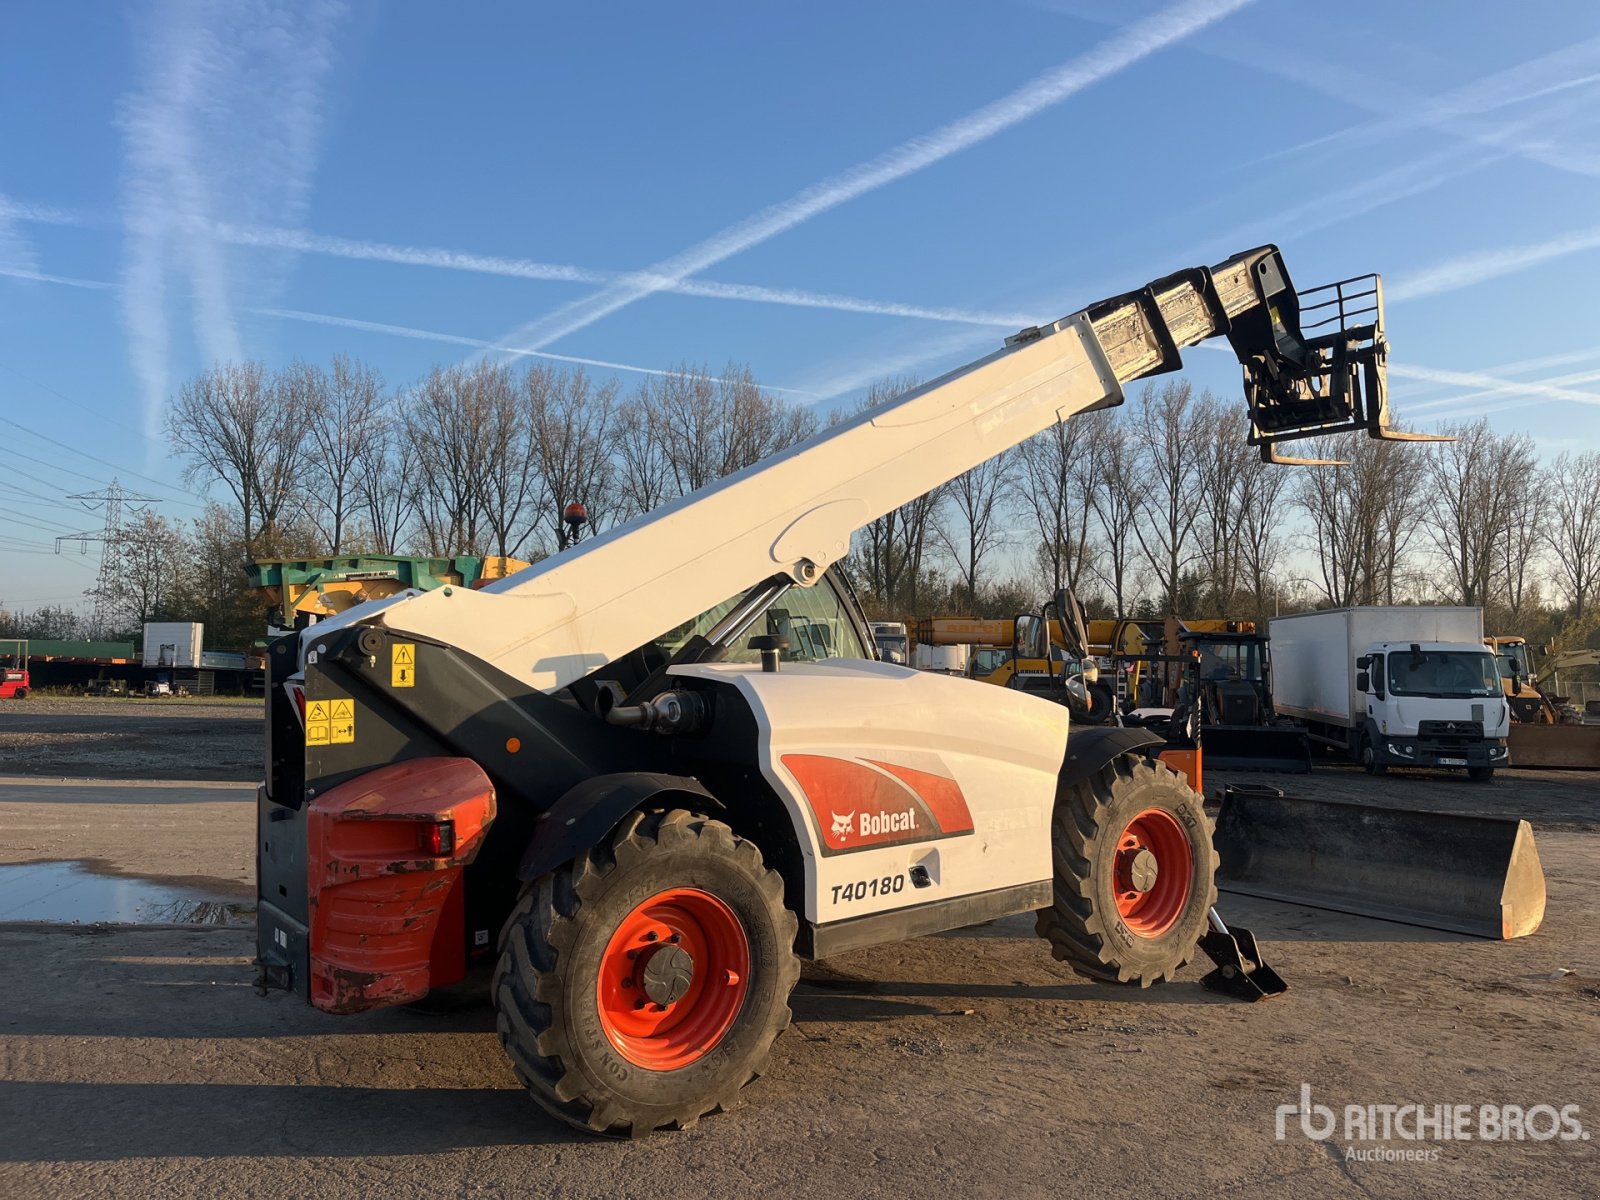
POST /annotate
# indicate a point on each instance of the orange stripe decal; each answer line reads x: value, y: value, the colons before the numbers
x: 858, y: 807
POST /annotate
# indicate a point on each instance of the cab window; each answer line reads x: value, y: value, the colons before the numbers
x: 814, y: 620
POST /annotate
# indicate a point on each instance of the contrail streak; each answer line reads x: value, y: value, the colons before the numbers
x: 65, y: 280
x: 1489, y: 384
x: 1490, y: 264
x: 224, y: 118
x: 522, y: 268
x: 455, y: 339
x: 1462, y: 399
x: 1117, y: 53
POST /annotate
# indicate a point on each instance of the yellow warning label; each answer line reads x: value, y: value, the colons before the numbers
x: 330, y: 722
x: 403, y: 664
x: 343, y: 724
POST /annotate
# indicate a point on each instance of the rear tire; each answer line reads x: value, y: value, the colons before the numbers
x: 587, y: 1007
x: 21, y: 693
x: 1480, y: 774
x: 1101, y: 923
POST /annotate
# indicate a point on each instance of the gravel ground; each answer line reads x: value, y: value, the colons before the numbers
x: 139, y: 1061
x: 87, y: 737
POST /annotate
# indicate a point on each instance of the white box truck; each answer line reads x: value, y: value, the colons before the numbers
x: 173, y: 643
x: 1401, y: 686
x: 947, y: 660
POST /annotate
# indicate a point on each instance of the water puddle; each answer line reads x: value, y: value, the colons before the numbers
x: 64, y: 893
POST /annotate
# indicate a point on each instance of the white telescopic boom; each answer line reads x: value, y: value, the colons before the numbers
x: 794, y: 513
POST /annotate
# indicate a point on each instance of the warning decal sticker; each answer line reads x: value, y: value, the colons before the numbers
x: 403, y: 665
x: 330, y: 722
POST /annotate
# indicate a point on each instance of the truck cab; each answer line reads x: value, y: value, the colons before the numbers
x: 893, y: 641
x: 1432, y: 704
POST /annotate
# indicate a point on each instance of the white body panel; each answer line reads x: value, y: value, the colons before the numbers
x: 1314, y: 671
x: 182, y: 641
x: 1003, y: 750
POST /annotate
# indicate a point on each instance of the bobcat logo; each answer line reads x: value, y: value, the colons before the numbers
x: 843, y: 825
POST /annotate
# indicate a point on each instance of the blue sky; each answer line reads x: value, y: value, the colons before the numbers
x: 832, y: 193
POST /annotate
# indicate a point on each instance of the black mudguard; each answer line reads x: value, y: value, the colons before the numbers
x: 1093, y: 746
x: 587, y: 812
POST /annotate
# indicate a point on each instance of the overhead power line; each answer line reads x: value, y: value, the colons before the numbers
x: 43, y: 437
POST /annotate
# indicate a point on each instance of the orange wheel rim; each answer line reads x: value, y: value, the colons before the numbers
x: 673, y: 978
x: 1154, y: 873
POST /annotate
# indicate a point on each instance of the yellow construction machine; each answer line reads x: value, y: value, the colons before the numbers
x: 300, y: 591
x: 1544, y: 732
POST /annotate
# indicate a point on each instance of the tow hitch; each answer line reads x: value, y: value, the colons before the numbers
x: 1240, y: 971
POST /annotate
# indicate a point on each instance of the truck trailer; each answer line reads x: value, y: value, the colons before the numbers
x: 1394, y: 686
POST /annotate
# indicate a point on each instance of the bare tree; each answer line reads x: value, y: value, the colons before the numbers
x: 572, y: 424
x: 1572, y: 530
x: 211, y: 587
x: 509, y: 484
x: 1114, y: 490
x: 1262, y: 526
x: 711, y: 427
x: 1363, y: 515
x: 448, y: 451
x: 976, y: 525
x: 1167, y: 429
x: 343, y: 413
x: 1222, y: 478
x: 229, y: 425
x: 149, y: 555
x: 1523, y: 540
x: 1053, y: 491
x: 1467, y: 507
x: 643, y: 477
x: 387, y: 502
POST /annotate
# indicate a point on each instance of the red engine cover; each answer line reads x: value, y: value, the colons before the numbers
x: 375, y: 898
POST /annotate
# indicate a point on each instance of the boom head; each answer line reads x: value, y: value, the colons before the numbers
x: 1315, y: 362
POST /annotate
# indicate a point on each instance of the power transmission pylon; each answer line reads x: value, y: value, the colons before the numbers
x: 113, y: 498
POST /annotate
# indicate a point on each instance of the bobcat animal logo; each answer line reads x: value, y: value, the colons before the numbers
x: 843, y: 824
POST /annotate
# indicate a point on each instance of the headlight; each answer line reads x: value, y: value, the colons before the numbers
x: 1402, y: 751
x: 1497, y: 751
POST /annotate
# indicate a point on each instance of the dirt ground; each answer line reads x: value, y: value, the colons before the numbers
x: 139, y: 1061
x: 131, y: 738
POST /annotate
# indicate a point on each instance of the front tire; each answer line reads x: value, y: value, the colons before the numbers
x: 641, y: 985
x: 1135, y: 874
x: 1369, y: 759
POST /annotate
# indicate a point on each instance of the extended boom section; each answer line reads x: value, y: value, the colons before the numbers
x: 793, y: 514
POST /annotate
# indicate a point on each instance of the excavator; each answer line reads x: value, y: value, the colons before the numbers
x: 637, y: 782
x: 1544, y: 732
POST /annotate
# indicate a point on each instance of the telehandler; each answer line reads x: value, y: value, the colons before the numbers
x: 629, y: 779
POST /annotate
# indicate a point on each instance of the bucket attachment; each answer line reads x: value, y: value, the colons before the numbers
x: 1256, y: 748
x: 1475, y: 875
x: 1576, y: 747
x: 1240, y: 972
x: 1315, y: 362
